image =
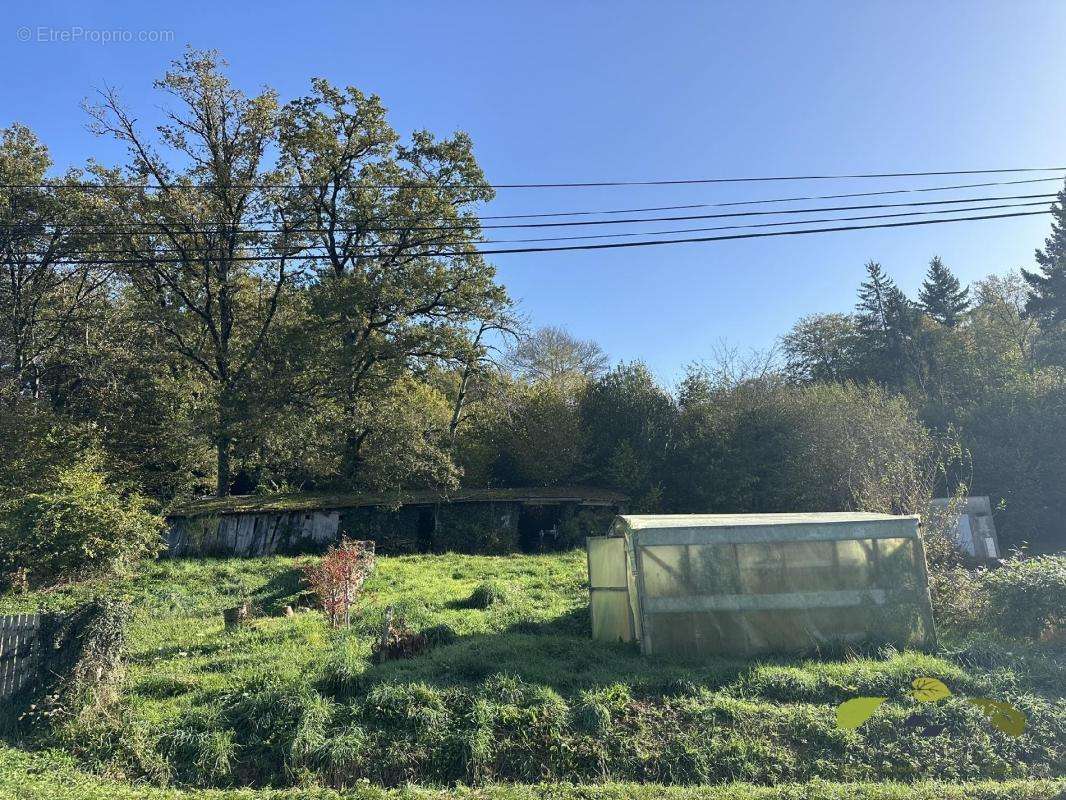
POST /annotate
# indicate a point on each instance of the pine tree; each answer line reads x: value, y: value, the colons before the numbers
x: 885, y: 320
x: 882, y: 306
x: 941, y: 295
x: 1047, y: 288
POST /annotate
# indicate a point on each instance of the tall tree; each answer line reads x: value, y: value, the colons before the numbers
x: 204, y: 241
x: 942, y: 297
x: 481, y: 358
x: 46, y: 290
x: 821, y: 348
x: 398, y: 282
x: 627, y: 422
x: 1047, y: 288
x: 553, y: 354
x: 885, y: 320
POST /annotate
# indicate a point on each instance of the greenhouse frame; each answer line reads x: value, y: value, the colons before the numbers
x: 742, y: 584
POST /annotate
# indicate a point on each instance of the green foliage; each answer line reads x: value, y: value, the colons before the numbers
x: 822, y: 347
x: 487, y: 528
x: 885, y: 319
x: 763, y: 445
x: 626, y: 420
x: 1027, y: 596
x: 51, y: 776
x: 958, y: 598
x: 1047, y: 297
x: 942, y: 296
x: 77, y: 527
x: 578, y: 524
x: 535, y: 440
x: 1017, y: 438
x: 486, y: 594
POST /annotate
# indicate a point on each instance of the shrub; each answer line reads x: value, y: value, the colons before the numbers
x: 959, y: 599
x: 338, y: 577
x: 440, y: 635
x: 487, y: 593
x: 399, y: 641
x: 79, y: 526
x: 1027, y: 596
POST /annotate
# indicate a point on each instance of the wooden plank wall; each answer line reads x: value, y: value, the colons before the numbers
x: 20, y: 652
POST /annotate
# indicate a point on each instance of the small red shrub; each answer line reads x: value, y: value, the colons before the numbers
x: 337, y: 579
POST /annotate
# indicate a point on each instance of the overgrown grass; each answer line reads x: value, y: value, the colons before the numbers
x: 516, y: 691
x: 53, y: 776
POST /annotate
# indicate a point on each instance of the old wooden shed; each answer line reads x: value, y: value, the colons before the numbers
x: 467, y: 520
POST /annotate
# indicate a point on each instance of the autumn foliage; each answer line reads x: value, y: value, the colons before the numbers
x: 337, y: 579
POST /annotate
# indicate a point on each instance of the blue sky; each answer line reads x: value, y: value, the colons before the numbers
x: 573, y: 91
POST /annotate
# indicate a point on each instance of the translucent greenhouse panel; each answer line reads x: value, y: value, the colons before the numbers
x: 612, y: 619
x: 753, y: 597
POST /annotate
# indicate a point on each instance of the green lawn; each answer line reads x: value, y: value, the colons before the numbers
x: 520, y: 694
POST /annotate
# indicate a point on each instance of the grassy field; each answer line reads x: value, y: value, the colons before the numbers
x: 517, y: 693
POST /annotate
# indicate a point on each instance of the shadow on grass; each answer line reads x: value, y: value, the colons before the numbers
x: 286, y: 588
x: 558, y: 653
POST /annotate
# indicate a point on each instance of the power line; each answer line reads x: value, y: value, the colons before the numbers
x: 608, y: 246
x: 775, y: 200
x: 143, y: 227
x: 305, y: 252
x: 761, y: 224
x: 680, y: 207
x: 572, y: 185
x: 616, y: 245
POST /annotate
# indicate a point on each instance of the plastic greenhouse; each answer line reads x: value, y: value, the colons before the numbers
x: 740, y: 584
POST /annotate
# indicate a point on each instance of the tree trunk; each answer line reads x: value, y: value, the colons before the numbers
x: 224, y: 468
x: 460, y: 402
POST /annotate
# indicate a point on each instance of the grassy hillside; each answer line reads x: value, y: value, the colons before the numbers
x: 517, y: 692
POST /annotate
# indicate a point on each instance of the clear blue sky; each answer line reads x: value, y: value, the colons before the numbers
x: 569, y: 91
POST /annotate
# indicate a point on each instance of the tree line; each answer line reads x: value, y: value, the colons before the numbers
x: 256, y: 301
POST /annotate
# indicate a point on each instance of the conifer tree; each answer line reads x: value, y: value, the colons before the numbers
x: 885, y: 322
x: 942, y: 297
x: 882, y: 305
x: 1047, y: 288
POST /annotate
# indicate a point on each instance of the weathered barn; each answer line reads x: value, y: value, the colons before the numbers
x: 739, y: 584
x: 464, y: 521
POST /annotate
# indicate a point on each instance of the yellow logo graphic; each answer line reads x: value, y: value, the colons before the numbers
x: 853, y: 713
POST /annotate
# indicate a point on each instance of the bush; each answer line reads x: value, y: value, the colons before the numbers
x: 79, y: 526
x: 487, y: 593
x: 959, y: 599
x: 1027, y: 596
x: 337, y: 578
x: 440, y: 635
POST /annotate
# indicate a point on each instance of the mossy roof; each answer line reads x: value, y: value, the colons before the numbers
x: 318, y: 501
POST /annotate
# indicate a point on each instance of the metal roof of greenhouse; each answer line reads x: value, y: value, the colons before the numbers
x: 641, y: 521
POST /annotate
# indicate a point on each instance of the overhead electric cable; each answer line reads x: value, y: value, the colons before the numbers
x: 680, y: 207
x: 143, y: 228
x: 561, y: 185
x: 377, y: 250
x: 759, y: 224
x: 608, y: 246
